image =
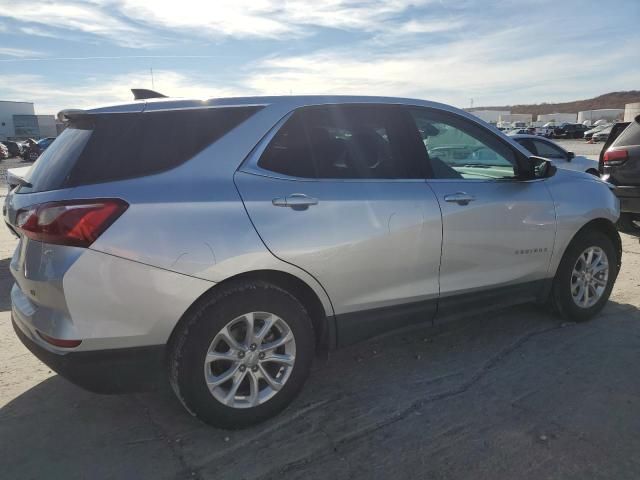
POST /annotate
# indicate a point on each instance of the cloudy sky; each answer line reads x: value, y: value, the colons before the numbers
x: 76, y: 54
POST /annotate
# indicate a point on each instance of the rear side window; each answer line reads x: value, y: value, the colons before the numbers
x: 116, y: 146
x: 630, y: 135
x: 289, y: 153
x: 343, y: 142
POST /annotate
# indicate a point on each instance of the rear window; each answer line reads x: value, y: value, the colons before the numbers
x: 117, y: 146
x: 630, y: 135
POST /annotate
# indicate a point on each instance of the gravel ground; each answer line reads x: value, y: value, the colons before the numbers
x: 513, y: 394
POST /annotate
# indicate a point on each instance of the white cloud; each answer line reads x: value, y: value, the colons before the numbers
x: 484, y: 68
x: 18, y: 52
x: 50, y: 97
x: 431, y: 26
x: 130, y: 22
x: 86, y: 18
x: 266, y: 18
x: 220, y: 18
x: 506, y: 60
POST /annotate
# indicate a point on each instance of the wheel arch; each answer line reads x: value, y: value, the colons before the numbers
x: 323, y: 321
x: 605, y: 226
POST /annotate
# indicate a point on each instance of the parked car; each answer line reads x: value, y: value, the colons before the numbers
x: 518, y: 131
x: 26, y: 146
x: 16, y: 176
x: 221, y: 247
x: 14, y: 148
x: 602, y: 135
x: 4, y: 151
x: 546, y: 132
x: 589, y: 133
x: 35, y: 149
x: 620, y: 166
x: 557, y: 155
x: 570, y: 130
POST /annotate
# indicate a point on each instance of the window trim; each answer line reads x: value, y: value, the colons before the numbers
x: 250, y: 164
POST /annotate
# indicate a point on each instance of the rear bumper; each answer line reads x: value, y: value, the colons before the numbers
x: 102, y: 371
x: 629, y: 199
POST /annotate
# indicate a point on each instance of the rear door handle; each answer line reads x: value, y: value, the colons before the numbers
x: 461, y: 198
x: 297, y: 201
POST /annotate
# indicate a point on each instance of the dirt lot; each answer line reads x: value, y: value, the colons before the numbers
x: 515, y: 394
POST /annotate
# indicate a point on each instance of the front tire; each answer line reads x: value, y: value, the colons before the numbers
x: 585, y: 276
x: 242, y: 355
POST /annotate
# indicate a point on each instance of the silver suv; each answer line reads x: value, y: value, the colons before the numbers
x: 219, y: 244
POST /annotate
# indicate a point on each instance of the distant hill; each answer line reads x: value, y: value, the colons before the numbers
x: 608, y: 100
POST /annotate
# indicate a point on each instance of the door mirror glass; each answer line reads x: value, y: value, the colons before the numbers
x: 570, y: 155
x: 540, y: 167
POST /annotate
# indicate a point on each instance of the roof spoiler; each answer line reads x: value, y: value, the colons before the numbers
x: 63, y: 115
x: 144, y: 94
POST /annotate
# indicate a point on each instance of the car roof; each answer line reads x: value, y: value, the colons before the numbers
x: 292, y: 101
x: 285, y: 103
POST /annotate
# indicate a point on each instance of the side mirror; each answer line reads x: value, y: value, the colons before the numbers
x: 570, y: 155
x: 540, y: 167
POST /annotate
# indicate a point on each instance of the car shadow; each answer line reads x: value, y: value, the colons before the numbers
x: 56, y: 430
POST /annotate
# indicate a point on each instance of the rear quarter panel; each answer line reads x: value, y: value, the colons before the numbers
x: 191, y: 220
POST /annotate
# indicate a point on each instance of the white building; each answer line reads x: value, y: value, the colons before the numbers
x: 490, y: 116
x: 608, y: 114
x: 47, y: 125
x: 631, y: 111
x: 7, y: 111
x: 515, y: 118
x: 557, y: 118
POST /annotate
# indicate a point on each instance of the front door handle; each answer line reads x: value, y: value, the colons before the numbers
x: 461, y: 198
x: 297, y: 201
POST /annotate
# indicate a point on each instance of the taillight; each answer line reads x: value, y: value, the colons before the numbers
x: 615, y: 157
x: 76, y: 223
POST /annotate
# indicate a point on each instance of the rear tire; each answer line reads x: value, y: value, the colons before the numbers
x: 205, y: 334
x: 571, y: 276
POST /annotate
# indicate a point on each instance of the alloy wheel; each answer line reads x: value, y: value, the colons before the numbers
x: 250, y: 360
x: 589, y: 277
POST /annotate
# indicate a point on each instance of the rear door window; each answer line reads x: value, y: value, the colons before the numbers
x: 117, y: 146
x: 289, y: 153
x: 344, y: 142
